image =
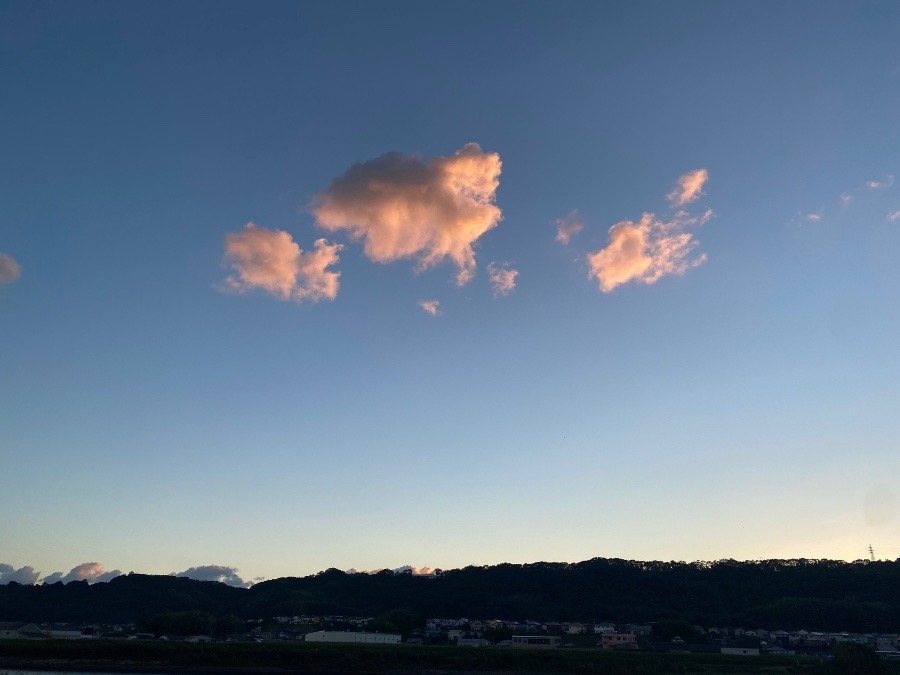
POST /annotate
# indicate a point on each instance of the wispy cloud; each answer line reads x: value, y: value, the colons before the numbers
x: 645, y: 251
x: 568, y: 226
x: 222, y: 573
x: 814, y: 217
x: 22, y: 575
x: 403, y: 206
x: 431, y: 307
x: 882, y: 184
x: 9, y: 269
x: 894, y: 216
x: 689, y: 187
x: 92, y: 572
x: 270, y: 260
x: 845, y: 199
x: 502, y: 277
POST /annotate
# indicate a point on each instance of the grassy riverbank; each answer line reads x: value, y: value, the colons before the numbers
x: 137, y: 656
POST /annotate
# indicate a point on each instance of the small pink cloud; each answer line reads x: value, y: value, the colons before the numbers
x: 813, y: 217
x: 431, y: 307
x: 270, y: 260
x: 645, y: 251
x: 9, y: 269
x: 894, y: 216
x: 689, y: 187
x: 845, y: 199
x: 502, y: 278
x: 401, y: 206
x: 568, y: 226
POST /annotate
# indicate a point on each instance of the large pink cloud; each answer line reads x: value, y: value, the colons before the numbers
x: 9, y: 269
x: 645, y: 251
x: 689, y: 187
x: 402, y: 206
x: 92, y: 572
x: 272, y: 261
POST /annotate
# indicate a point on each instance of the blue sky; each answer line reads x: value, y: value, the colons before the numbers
x: 731, y: 392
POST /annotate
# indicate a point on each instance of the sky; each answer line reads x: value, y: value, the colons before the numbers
x: 290, y: 286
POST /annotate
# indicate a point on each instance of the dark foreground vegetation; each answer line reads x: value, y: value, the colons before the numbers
x: 137, y: 656
x: 824, y: 595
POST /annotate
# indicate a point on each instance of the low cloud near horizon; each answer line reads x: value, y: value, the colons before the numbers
x: 222, y: 573
x: 23, y: 575
x: 403, y: 569
x: 405, y: 207
x: 91, y: 572
x: 270, y: 260
x: 10, y: 270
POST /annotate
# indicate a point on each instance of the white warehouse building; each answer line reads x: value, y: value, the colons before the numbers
x: 354, y: 638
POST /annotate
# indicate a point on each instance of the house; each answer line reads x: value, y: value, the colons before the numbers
x: 616, y: 640
x: 535, y: 641
x: 353, y: 638
x: 605, y: 627
x: 472, y: 642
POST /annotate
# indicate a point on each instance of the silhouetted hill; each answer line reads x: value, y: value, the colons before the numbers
x: 125, y: 598
x: 811, y: 594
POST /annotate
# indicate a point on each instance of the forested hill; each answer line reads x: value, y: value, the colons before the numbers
x: 788, y: 594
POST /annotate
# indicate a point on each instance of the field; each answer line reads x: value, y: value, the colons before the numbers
x: 150, y: 656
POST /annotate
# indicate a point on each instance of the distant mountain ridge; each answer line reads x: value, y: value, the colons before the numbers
x: 861, y: 596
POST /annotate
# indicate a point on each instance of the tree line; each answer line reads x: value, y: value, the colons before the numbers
x: 827, y: 595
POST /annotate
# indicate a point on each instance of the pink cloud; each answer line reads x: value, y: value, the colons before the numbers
x: 270, y: 260
x: 568, y: 226
x: 645, y: 251
x: 9, y: 269
x: 431, y: 307
x: 813, y: 217
x: 502, y: 278
x: 92, y: 572
x: 845, y: 199
x: 402, y: 206
x: 689, y: 188
x: 894, y: 216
